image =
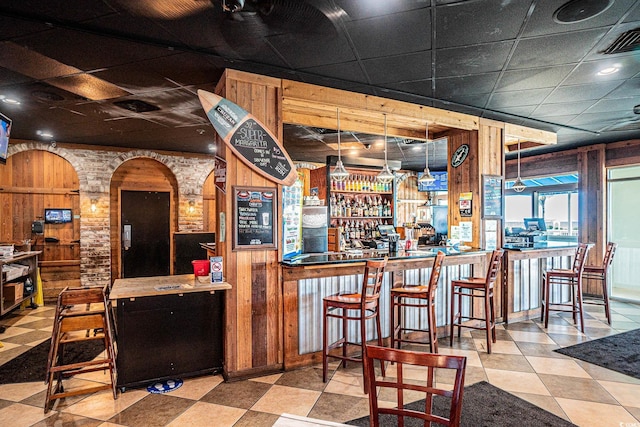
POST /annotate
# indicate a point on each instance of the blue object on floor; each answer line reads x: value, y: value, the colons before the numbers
x: 165, y: 386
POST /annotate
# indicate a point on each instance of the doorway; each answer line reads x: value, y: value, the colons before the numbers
x: 624, y: 229
x: 145, y: 231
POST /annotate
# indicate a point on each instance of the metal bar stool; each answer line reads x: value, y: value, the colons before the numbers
x: 600, y: 272
x: 476, y: 287
x: 418, y: 296
x: 565, y: 277
x: 359, y: 305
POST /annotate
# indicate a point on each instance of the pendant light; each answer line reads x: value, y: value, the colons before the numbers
x: 339, y: 173
x: 426, y: 178
x: 518, y: 185
x: 385, y: 176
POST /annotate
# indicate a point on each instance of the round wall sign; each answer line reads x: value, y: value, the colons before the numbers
x: 460, y: 155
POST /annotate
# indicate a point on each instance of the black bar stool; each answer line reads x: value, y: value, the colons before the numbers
x: 417, y: 296
x: 359, y: 305
x: 565, y: 277
x: 476, y: 287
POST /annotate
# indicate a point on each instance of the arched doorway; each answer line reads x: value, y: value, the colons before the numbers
x: 143, y: 197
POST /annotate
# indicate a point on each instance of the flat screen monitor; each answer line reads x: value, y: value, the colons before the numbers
x: 57, y: 216
x: 385, y: 229
x: 5, y: 132
x: 535, y: 224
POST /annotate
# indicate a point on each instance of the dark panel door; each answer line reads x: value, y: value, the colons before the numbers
x: 145, y: 233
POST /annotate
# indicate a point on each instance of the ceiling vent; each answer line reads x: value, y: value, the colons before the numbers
x: 136, y: 106
x: 626, y: 42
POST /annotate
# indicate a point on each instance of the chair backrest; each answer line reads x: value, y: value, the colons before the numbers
x: 494, y: 267
x: 85, y: 295
x: 435, y: 274
x: 371, y: 283
x: 580, y: 257
x: 608, y: 255
x: 446, y: 402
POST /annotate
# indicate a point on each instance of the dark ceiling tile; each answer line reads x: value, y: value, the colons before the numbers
x: 609, y: 105
x: 533, y: 78
x: 471, y: 59
x: 306, y: 52
x: 561, y: 109
x: 518, y: 98
x: 629, y: 88
x: 358, y: 9
x: 465, y: 85
x: 465, y: 23
x: 565, y: 48
x: 523, y: 111
x: 471, y: 103
x: 396, y: 34
x: 575, y: 93
x: 9, y: 78
x: 415, y: 66
x: 587, y: 72
x: 348, y: 71
x: 420, y: 88
x: 72, y: 10
x: 541, y: 21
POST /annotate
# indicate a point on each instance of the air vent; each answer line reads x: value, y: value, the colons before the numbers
x: 136, y: 106
x: 625, y: 42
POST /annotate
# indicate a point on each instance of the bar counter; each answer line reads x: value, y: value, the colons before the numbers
x: 308, y: 279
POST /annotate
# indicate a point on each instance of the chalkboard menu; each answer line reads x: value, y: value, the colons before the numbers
x: 492, y: 196
x: 254, y: 217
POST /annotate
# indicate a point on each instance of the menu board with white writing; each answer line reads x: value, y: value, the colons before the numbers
x: 254, y: 216
x: 492, y: 196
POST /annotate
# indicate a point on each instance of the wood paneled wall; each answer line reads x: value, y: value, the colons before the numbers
x: 139, y: 174
x: 30, y: 182
x: 253, y: 314
x: 209, y: 204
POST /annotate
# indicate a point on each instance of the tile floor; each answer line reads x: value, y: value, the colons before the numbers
x: 522, y: 363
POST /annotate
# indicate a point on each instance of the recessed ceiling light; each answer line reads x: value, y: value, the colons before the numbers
x: 580, y: 10
x: 44, y: 134
x: 212, y: 148
x: 609, y: 70
x: 8, y: 100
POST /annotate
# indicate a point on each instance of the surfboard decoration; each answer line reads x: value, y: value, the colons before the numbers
x: 249, y: 139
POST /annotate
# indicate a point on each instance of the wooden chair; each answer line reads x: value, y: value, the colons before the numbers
x: 416, y: 296
x: 360, y: 306
x: 565, y: 277
x: 600, y: 273
x: 82, y: 314
x: 474, y: 288
x: 428, y: 386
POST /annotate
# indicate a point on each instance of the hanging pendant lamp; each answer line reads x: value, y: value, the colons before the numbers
x: 385, y: 176
x: 426, y: 178
x: 518, y: 185
x: 339, y: 173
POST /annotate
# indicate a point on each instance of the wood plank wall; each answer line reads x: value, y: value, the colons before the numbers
x: 209, y: 204
x: 139, y: 174
x: 253, y: 315
x: 30, y: 182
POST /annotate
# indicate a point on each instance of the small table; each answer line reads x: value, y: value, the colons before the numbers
x: 167, y: 327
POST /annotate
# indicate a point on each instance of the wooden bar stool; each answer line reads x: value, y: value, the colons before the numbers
x: 359, y: 305
x: 476, y: 287
x: 600, y: 272
x: 82, y: 314
x: 565, y: 277
x: 417, y: 296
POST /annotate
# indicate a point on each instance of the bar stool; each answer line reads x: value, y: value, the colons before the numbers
x: 364, y: 305
x: 565, y: 277
x: 600, y: 272
x: 406, y: 296
x: 82, y: 314
x: 476, y: 287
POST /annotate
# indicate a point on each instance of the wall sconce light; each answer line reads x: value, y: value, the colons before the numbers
x: 94, y: 205
x: 192, y: 206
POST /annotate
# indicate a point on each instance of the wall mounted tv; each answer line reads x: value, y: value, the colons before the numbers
x: 5, y: 131
x: 57, y: 216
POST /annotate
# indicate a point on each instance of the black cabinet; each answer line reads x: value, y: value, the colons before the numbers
x: 168, y: 336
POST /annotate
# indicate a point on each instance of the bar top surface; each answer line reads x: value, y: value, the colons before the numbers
x: 162, y: 285
x: 364, y: 255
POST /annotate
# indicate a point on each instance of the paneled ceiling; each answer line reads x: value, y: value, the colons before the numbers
x: 124, y: 73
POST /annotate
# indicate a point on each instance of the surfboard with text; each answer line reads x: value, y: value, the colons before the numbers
x: 248, y: 138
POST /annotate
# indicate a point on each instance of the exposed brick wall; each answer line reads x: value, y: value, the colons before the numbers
x: 95, y: 169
